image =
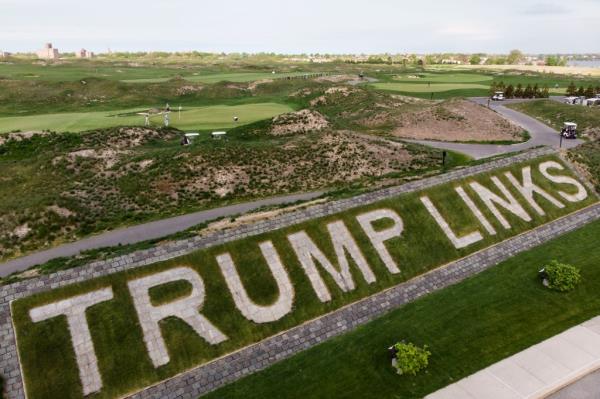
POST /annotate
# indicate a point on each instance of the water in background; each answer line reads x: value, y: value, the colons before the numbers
x: 588, y: 64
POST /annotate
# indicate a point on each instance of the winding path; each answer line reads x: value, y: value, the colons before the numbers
x: 541, y: 134
x: 146, y: 231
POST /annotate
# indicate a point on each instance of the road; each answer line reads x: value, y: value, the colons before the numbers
x: 146, y: 231
x: 586, y: 388
x: 541, y: 134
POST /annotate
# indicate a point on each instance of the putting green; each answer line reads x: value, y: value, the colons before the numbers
x: 220, y: 77
x: 443, y: 78
x: 192, y: 118
x: 425, y: 88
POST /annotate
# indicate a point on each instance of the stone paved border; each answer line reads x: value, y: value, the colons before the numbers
x: 9, y: 363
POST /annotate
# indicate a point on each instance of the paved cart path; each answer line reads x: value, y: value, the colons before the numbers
x: 586, y: 388
x: 541, y: 134
x: 537, y: 371
x: 146, y: 231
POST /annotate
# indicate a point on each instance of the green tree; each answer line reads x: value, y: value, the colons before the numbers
x: 572, y: 89
x: 581, y: 91
x: 546, y: 92
x: 589, y: 92
x: 519, y: 92
x: 509, y: 92
x: 528, y: 93
x: 494, y: 87
x: 597, y: 90
x: 514, y: 57
x: 536, y: 91
x: 475, y: 59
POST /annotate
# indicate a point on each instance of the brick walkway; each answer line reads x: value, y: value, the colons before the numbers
x: 258, y: 356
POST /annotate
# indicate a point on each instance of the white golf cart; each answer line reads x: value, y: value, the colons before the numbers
x: 498, y: 96
x: 569, y: 130
x: 592, y: 102
x: 571, y: 100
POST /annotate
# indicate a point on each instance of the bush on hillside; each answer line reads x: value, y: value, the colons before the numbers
x: 561, y: 276
x: 410, y: 359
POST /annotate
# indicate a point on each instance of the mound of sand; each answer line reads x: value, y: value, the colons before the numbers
x: 456, y: 120
x: 298, y: 122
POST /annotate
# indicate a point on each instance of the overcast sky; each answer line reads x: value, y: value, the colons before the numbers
x: 306, y: 26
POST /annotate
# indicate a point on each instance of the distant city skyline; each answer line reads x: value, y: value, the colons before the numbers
x: 351, y: 26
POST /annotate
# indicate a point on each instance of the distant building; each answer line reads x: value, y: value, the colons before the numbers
x: 83, y: 53
x: 48, y: 52
x: 4, y: 54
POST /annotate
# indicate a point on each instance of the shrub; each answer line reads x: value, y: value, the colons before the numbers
x: 560, y: 276
x: 410, y: 359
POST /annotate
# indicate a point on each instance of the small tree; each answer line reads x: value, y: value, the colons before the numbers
x: 410, y: 359
x: 536, y: 91
x: 493, y: 87
x: 572, y: 89
x: 510, y: 91
x: 514, y: 57
x: 546, y: 92
x: 597, y: 90
x: 519, y: 92
x: 581, y: 91
x: 528, y: 93
x: 475, y: 59
x: 561, y: 276
x: 589, y: 92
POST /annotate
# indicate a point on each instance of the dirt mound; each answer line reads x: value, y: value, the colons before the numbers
x: 336, y: 78
x: 593, y: 133
x: 255, y: 84
x: 456, y: 120
x: 298, y: 122
x: 18, y: 136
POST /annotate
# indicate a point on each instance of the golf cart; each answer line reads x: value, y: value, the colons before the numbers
x: 498, y: 96
x: 571, y: 100
x: 569, y: 131
x: 592, y: 102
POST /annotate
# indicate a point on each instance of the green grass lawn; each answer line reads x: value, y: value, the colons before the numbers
x: 425, y: 88
x: 221, y: 77
x: 467, y: 327
x: 123, y: 360
x: 80, y: 69
x: 442, y: 78
x: 448, y: 83
x: 192, y: 118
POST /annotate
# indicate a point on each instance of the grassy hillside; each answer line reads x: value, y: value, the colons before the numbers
x: 555, y: 114
x: 60, y: 187
x: 588, y: 157
x: 467, y: 327
x: 123, y: 361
